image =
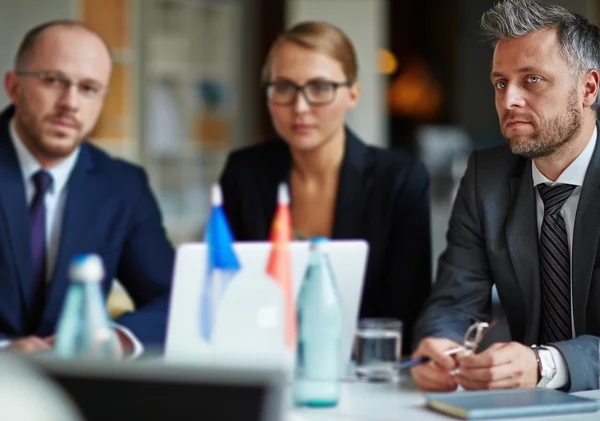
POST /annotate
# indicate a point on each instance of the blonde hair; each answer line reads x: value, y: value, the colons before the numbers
x: 321, y: 37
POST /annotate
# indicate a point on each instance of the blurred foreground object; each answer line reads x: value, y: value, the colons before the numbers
x: 21, y: 385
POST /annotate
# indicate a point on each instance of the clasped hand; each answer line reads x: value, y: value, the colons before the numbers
x: 501, y: 366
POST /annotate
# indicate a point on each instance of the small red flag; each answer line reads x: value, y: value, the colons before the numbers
x: 279, y: 265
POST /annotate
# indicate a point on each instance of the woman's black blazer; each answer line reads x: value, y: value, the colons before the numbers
x: 383, y: 197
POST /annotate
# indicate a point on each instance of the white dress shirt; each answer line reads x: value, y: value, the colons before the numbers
x: 574, y: 174
x: 54, y: 201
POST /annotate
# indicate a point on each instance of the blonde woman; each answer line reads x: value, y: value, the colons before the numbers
x: 340, y: 187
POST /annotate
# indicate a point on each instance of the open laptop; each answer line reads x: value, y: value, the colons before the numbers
x: 157, y: 391
x: 348, y: 260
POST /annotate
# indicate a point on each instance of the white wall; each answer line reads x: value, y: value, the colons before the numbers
x: 17, y: 17
x: 365, y: 22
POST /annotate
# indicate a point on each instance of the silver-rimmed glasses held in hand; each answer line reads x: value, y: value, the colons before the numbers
x: 474, y: 335
x: 471, y: 341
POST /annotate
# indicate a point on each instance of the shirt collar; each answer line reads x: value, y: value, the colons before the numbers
x: 29, y: 166
x: 575, y: 172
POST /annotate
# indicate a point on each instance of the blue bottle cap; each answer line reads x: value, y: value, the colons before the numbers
x: 319, y: 240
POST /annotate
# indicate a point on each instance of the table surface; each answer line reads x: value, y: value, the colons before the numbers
x: 389, y: 402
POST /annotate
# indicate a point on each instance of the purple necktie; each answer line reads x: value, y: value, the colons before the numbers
x: 37, y: 225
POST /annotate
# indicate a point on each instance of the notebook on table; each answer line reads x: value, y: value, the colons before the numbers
x: 510, y: 403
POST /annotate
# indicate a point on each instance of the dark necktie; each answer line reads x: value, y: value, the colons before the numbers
x: 37, y: 225
x: 555, y: 264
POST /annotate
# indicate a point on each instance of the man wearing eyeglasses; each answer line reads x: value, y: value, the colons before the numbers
x: 61, y: 196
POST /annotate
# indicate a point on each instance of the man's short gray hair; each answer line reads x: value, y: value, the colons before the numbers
x: 579, y: 39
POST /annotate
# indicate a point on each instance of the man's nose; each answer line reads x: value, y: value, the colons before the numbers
x: 512, y: 98
x: 70, y: 97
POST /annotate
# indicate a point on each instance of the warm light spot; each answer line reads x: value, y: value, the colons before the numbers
x: 415, y: 93
x: 387, y: 62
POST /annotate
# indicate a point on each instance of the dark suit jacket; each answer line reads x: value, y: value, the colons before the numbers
x: 493, y: 238
x: 109, y: 210
x: 383, y: 197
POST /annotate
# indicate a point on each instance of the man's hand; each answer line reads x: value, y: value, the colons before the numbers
x: 30, y: 345
x: 435, y: 374
x: 501, y: 366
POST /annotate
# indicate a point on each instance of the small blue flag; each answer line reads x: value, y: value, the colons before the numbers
x: 221, y: 264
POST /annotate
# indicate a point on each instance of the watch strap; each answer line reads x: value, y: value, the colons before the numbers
x: 544, y: 376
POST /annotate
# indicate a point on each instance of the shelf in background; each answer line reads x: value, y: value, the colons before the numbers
x: 117, y: 116
x: 111, y: 19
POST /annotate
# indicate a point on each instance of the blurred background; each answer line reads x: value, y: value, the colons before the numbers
x: 185, y: 89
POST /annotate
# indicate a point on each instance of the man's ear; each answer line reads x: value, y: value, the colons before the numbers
x: 11, y: 85
x: 590, y: 92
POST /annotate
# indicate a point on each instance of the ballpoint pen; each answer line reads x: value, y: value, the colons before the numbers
x: 473, y: 336
x: 423, y: 360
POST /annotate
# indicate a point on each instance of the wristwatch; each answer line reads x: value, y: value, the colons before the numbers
x: 546, y: 365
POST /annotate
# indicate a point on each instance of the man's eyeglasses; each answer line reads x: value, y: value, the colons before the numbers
x: 471, y: 340
x: 62, y: 83
x: 474, y: 335
x: 315, y: 92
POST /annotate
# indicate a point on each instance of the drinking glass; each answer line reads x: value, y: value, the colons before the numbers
x: 377, y: 349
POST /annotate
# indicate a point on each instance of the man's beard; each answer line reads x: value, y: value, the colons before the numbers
x: 552, y: 134
x: 33, y: 131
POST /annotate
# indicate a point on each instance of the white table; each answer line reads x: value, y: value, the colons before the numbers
x: 384, y: 402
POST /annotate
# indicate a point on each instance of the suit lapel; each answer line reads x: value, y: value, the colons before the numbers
x: 14, y: 203
x: 354, y: 183
x: 522, y: 238
x: 585, y: 239
x: 87, y: 193
x: 355, y: 180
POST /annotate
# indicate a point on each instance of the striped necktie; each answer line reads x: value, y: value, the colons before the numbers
x: 555, y: 264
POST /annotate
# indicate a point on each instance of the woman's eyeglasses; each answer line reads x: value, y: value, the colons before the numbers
x: 315, y: 92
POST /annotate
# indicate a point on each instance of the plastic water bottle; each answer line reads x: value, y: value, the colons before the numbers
x: 317, y: 376
x: 84, y: 329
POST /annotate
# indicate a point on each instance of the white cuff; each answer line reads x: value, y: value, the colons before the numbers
x: 4, y: 343
x: 138, y: 348
x: 561, y: 378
